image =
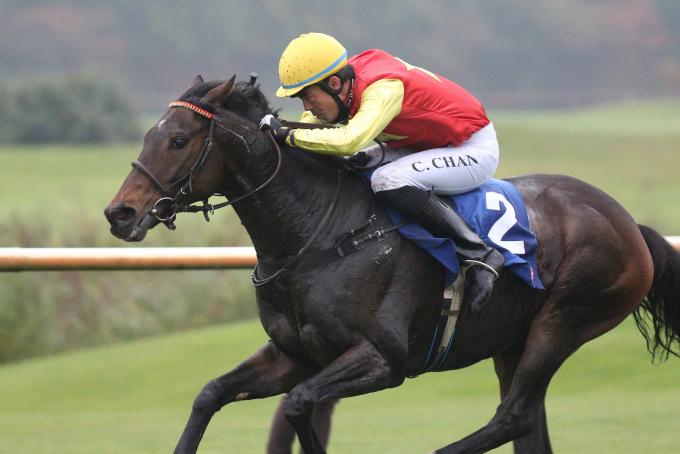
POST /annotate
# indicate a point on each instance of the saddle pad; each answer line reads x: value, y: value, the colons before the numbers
x: 497, y: 213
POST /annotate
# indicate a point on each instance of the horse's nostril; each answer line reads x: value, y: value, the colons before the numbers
x: 121, y: 215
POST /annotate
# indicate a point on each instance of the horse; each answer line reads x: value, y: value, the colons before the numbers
x: 346, y: 326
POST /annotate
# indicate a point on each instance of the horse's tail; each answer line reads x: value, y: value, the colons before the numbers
x: 662, y: 305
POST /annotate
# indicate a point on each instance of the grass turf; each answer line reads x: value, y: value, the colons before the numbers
x: 135, y: 397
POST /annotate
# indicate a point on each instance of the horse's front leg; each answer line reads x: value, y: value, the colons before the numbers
x: 361, y: 369
x: 268, y: 372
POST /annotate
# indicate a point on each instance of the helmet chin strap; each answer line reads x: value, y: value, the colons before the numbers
x: 343, y: 107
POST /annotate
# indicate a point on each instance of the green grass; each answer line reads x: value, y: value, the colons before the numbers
x: 135, y: 397
x: 626, y: 120
x: 44, y: 176
x: 68, y: 187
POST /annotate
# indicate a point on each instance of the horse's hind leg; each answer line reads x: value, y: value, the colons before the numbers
x: 538, y: 439
x: 282, y: 434
x: 561, y: 326
x: 550, y: 341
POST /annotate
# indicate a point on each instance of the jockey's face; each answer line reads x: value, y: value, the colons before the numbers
x: 321, y: 104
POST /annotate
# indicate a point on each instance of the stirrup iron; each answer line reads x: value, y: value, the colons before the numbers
x: 470, y: 263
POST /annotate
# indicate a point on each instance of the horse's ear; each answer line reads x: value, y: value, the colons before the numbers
x: 217, y: 95
x: 197, y: 80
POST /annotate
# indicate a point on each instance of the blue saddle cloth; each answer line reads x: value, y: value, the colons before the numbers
x: 496, y: 212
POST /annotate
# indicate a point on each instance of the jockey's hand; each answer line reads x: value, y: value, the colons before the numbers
x: 270, y: 123
x: 369, y: 157
x: 359, y: 159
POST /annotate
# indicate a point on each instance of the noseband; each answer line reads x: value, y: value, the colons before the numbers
x: 186, y: 188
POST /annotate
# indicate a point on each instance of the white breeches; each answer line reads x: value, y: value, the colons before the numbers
x: 449, y: 170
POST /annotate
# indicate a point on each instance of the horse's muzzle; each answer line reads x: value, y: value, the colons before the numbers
x: 122, y: 219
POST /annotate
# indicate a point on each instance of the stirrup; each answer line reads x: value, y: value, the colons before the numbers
x: 470, y: 263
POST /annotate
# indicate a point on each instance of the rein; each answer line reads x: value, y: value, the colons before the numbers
x: 291, y: 261
x: 187, y: 188
x: 301, y: 125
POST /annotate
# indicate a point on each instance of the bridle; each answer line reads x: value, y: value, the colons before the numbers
x: 186, y: 181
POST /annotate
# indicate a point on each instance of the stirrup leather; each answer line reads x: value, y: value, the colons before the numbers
x: 471, y: 263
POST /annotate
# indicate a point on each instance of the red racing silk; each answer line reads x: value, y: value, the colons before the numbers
x: 435, y: 112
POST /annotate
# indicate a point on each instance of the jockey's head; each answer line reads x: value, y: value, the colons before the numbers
x: 314, y: 68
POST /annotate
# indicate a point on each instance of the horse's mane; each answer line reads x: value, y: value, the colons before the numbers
x: 245, y: 99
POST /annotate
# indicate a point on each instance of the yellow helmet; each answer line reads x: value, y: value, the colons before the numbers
x: 308, y: 59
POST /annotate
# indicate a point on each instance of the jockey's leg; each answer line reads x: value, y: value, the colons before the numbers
x: 410, y: 184
x: 441, y: 220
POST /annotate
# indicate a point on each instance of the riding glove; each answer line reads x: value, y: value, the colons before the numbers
x: 359, y: 159
x: 270, y: 123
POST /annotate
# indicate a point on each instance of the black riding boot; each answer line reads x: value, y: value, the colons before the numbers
x: 440, y: 219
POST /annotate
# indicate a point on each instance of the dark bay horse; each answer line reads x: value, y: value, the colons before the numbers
x: 363, y: 323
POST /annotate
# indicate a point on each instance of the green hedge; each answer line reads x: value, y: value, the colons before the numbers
x: 81, y: 108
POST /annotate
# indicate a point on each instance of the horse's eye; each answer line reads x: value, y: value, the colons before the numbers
x: 178, y: 142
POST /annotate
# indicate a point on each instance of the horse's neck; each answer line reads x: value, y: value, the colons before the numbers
x: 283, y: 215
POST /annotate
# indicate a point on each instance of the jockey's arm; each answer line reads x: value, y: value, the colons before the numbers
x: 380, y: 103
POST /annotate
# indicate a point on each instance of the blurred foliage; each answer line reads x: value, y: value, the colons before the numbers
x: 81, y: 108
x: 48, y: 312
x: 509, y: 52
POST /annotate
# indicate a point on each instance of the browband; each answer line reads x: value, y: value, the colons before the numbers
x: 194, y: 107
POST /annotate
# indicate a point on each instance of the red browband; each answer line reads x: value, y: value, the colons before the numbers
x: 193, y: 107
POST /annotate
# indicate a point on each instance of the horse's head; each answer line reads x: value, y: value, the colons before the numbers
x: 177, y: 165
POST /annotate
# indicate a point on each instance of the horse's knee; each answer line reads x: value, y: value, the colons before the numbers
x: 207, y: 400
x: 298, y: 405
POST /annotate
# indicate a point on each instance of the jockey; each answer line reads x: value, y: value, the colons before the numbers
x: 441, y: 141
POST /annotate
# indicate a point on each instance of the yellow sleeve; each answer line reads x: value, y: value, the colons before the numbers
x: 380, y: 103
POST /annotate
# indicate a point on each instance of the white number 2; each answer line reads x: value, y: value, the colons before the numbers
x: 505, y: 223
